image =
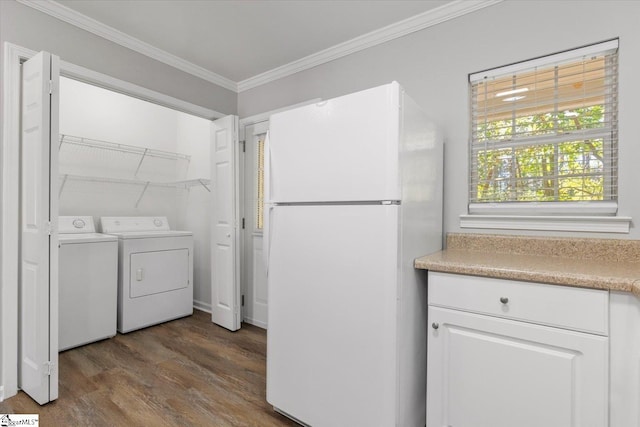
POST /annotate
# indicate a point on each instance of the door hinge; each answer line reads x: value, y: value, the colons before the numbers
x: 49, y: 368
x: 243, y: 223
x: 50, y: 87
x: 49, y: 228
x: 242, y: 301
x: 244, y: 146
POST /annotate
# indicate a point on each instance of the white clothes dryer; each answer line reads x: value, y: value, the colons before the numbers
x: 88, y: 282
x: 155, y: 271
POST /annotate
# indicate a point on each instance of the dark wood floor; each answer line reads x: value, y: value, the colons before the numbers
x: 188, y: 372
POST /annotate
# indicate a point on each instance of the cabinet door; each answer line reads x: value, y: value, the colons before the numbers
x: 485, y: 371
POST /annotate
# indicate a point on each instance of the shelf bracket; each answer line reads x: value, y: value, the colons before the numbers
x: 64, y: 181
x: 142, y: 194
x: 140, y: 164
x: 204, y: 184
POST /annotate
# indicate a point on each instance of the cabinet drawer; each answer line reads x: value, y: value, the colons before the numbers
x: 579, y: 309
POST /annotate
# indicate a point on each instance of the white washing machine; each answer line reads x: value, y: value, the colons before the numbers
x: 88, y: 282
x: 155, y: 271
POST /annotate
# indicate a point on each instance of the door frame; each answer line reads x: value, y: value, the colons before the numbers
x: 246, y: 171
x: 14, y: 55
x: 249, y: 234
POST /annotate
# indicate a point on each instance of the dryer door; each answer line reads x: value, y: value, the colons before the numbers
x: 158, y: 271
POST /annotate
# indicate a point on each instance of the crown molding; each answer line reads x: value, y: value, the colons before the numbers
x: 419, y: 22
x: 79, y: 20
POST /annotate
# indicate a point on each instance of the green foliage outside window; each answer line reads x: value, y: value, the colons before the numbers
x: 545, y: 133
x: 563, y: 171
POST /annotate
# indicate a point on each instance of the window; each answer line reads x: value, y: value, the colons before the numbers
x: 544, y: 134
x: 260, y: 182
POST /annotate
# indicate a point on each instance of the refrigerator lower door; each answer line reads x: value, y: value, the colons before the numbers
x: 331, y: 346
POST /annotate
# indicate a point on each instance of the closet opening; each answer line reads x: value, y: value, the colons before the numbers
x: 139, y: 173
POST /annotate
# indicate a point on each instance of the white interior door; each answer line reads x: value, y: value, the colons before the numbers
x: 254, y: 279
x: 225, y: 273
x: 39, y: 243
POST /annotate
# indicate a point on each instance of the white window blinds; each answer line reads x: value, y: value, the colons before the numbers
x: 546, y: 130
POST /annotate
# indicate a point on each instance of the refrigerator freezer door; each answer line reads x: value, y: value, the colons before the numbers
x: 343, y: 149
x: 331, y: 349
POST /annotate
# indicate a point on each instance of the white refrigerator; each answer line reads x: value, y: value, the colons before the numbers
x: 353, y: 190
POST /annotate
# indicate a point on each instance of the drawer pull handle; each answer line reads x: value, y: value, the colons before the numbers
x: 504, y: 300
x: 435, y: 325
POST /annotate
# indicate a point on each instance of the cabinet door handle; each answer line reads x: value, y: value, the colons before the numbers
x: 435, y: 325
x: 504, y: 300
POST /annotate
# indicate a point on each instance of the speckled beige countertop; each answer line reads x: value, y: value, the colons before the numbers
x: 593, y: 263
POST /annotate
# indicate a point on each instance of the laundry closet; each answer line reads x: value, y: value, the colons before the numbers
x: 132, y: 170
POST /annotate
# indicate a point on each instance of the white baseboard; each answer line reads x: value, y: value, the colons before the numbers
x: 254, y: 322
x: 202, y: 306
x: 206, y: 307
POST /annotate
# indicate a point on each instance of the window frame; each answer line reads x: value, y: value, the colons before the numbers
x: 591, y: 216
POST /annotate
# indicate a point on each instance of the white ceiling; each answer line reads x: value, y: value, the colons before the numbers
x: 239, y: 39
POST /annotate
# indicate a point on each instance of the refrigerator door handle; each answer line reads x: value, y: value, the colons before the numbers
x: 267, y: 169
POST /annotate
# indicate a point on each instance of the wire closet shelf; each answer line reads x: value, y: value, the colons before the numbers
x: 92, y: 160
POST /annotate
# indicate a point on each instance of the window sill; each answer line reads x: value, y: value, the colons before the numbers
x: 593, y: 224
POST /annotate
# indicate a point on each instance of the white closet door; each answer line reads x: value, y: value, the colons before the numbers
x: 39, y: 211
x: 225, y: 274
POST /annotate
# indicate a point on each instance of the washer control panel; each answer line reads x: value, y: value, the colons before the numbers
x: 76, y: 224
x: 117, y: 224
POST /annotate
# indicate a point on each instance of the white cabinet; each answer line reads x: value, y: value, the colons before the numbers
x: 493, y: 361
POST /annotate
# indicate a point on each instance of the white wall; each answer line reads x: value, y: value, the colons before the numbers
x: 193, y: 135
x: 91, y: 112
x: 29, y: 28
x: 433, y: 66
